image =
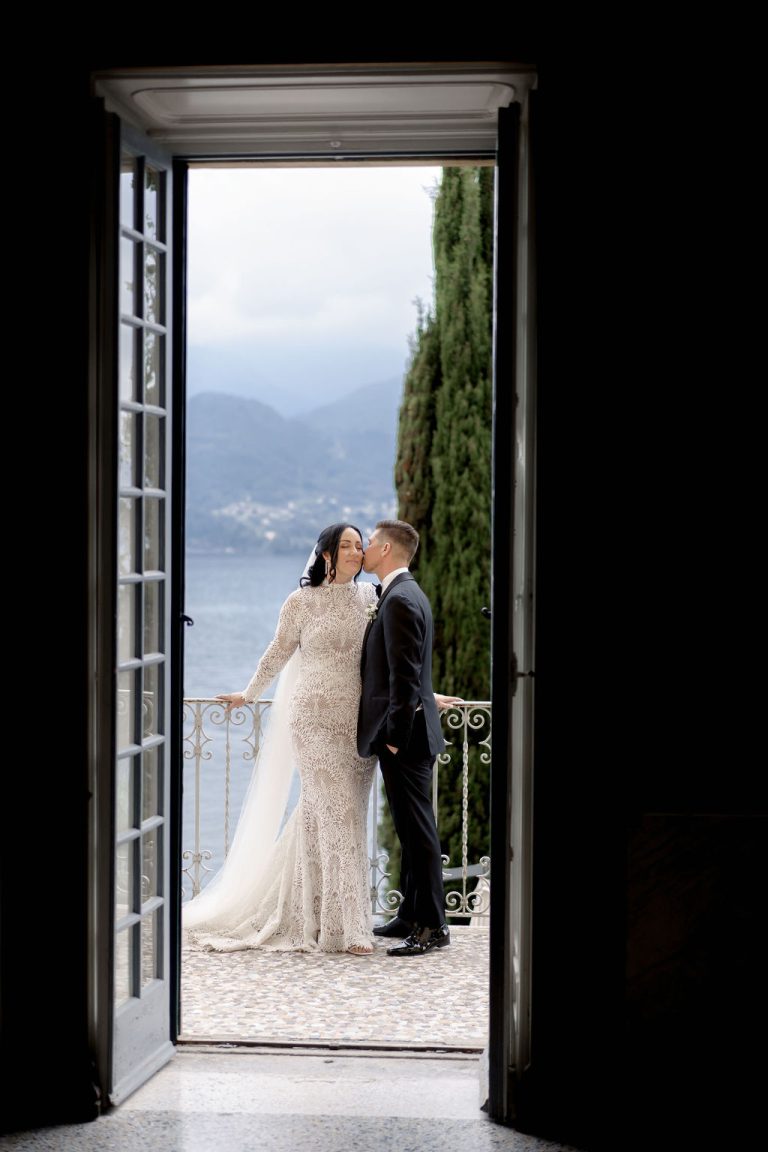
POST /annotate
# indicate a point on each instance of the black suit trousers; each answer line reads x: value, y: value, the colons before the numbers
x: 408, y: 783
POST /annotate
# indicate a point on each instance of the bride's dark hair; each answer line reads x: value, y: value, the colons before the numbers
x: 327, y: 541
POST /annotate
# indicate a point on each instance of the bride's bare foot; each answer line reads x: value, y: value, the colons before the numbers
x: 360, y: 950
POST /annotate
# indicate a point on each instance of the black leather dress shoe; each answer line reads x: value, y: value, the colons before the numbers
x: 422, y: 940
x: 394, y: 927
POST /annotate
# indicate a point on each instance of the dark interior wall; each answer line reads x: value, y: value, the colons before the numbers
x: 649, y: 849
x: 695, y: 1000
x: 650, y: 827
x: 47, y: 1074
x: 584, y: 673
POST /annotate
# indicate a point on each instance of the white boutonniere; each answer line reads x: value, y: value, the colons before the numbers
x: 371, y: 610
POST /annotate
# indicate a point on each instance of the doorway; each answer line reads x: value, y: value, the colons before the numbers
x: 291, y: 424
x: 444, y: 114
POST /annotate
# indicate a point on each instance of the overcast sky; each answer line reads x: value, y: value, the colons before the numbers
x: 303, y: 281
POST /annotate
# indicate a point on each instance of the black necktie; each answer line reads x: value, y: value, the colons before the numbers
x: 378, y: 590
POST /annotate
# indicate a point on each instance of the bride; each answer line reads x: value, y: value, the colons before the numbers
x: 308, y: 888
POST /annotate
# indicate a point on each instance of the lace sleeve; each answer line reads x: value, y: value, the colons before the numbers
x: 281, y: 648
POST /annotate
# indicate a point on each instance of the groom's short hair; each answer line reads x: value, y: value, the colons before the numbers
x: 401, y: 536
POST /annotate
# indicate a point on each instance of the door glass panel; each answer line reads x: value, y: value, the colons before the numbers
x: 127, y: 533
x: 150, y: 947
x: 127, y: 449
x: 127, y: 362
x: 153, y: 605
x: 127, y: 277
x: 124, y: 880
x: 126, y: 622
x: 150, y: 853
x: 151, y: 710
x: 154, y: 346
x: 153, y: 203
x: 153, y: 527
x: 154, y: 429
x: 153, y: 291
x: 125, y: 794
x: 151, y: 792
x: 127, y: 191
x: 126, y: 707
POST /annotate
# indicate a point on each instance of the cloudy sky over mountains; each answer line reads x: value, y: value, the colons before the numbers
x: 303, y: 282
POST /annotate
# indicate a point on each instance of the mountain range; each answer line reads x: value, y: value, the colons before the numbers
x: 259, y: 481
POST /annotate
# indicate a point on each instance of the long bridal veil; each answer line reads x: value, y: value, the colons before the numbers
x: 226, y: 901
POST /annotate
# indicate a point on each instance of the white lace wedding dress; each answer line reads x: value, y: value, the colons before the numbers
x: 310, y: 889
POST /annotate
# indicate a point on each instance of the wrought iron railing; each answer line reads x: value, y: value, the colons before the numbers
x: 220, y: 749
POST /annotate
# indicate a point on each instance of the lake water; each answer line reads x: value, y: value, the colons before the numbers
x: 234, y: 601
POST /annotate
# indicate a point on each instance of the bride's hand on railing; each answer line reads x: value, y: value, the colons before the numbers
x: 231, y: 700
x: 444, y: 702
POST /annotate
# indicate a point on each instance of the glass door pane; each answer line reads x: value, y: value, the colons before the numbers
x: 141, y: 906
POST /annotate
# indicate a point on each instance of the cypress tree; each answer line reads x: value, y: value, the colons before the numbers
x: 458, y: 582
x: 443, y: 482
x: 413, y: 463
x: 460, y: 557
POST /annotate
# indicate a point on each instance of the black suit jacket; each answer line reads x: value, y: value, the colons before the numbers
x: 396, y: 670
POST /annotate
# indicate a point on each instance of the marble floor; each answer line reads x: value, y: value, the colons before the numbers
x: 287, y: 1052
x: 303, y: 1101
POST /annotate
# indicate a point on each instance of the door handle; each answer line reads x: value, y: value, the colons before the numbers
x: 516, y: 675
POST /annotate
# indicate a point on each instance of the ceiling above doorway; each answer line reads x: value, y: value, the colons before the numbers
x: 324, y: 111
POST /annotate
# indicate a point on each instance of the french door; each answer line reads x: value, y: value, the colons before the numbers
x: 512, y: 682
x: 143, y: 905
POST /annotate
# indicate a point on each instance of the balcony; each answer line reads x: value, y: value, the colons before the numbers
x: 434, y: 1003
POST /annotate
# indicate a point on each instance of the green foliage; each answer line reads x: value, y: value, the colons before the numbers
x: 455, y: 568
x: 413, y: 463
x: 443, y: 478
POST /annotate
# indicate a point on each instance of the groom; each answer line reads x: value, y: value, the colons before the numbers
x: 399, y: 722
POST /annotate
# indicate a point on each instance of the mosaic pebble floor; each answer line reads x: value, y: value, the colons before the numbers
x: 437, y: 1001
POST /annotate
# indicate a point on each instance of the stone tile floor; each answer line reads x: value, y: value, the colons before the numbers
x: 433, y: 1002
x: 302, y: 1101
x: 295, y: 1052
